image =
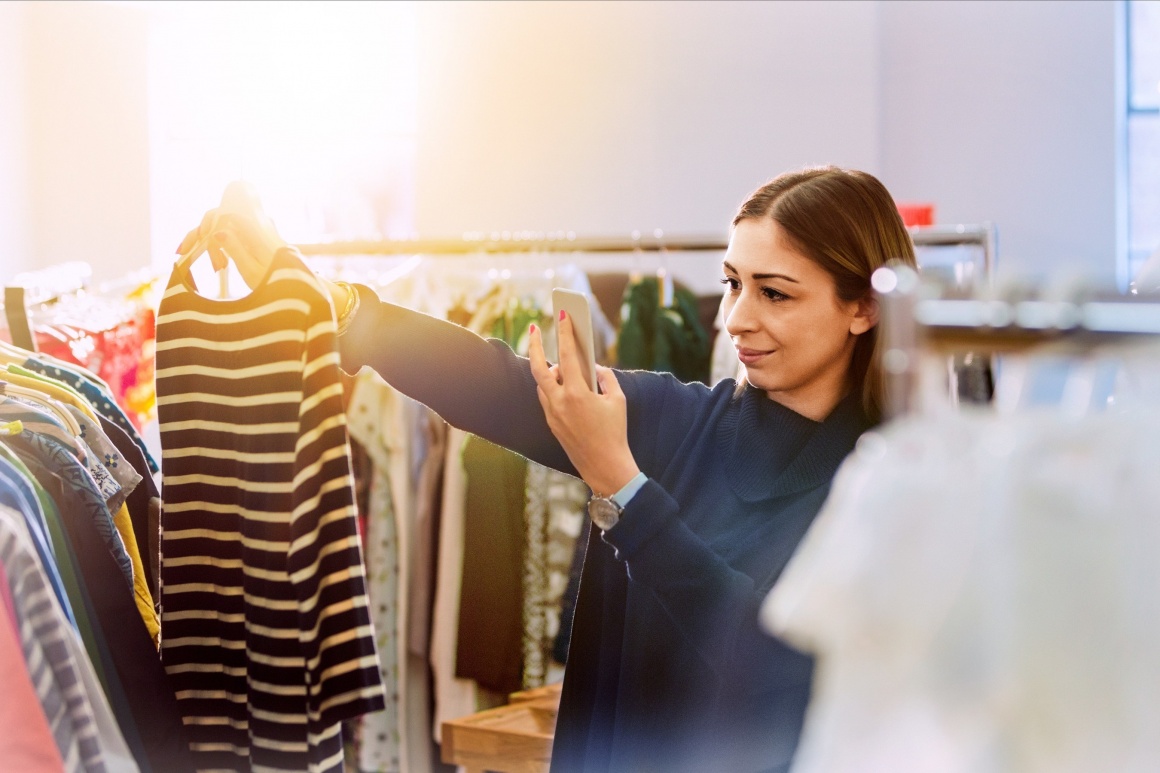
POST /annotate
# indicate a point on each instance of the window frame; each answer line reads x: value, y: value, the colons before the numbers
x: 1128, y: 258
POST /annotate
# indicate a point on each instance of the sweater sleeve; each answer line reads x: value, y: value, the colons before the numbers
x: 713, y: 605
x: 478, y: 385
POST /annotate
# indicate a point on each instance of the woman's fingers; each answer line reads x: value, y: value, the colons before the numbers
x: 238, y: 230
x: 249, y: 254
x: 203, y: 230
x: 217, y: 256
x: 540, y: 368
x: 569, y: 363
x: 188, y: 242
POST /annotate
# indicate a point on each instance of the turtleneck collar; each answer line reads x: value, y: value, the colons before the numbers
x: 771, y: 451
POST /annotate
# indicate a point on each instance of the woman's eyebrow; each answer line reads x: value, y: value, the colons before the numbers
x: 762, y: 276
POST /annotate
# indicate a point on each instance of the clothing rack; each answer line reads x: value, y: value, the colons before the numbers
x: 520, y: 241
x: 567, y: 241
x: 917, y: 319
x: 37, y: 288
x: 984, y: 235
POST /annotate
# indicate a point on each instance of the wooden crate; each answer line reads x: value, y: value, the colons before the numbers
x: 516, y: 738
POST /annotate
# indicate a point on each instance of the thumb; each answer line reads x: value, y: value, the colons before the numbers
x: 606, y: 379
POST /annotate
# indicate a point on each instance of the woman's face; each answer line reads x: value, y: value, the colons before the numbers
x: 794, y: 337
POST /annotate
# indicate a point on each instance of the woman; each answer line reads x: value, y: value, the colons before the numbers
x: 700, y: 494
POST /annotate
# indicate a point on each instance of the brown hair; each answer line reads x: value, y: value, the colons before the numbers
x: 846, y: 222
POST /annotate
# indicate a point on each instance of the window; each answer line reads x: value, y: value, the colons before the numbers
x: 1143, y: 79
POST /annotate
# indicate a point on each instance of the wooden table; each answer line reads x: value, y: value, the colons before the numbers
x: 516, y: 738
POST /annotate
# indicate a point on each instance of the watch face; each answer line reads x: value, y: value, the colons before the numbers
x: 603, y: 512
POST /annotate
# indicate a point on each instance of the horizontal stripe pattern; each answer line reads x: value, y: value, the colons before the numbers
x: 52, y: 666
x: 266, y: 632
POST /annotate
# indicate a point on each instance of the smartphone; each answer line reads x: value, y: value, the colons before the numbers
x: 576, y: 306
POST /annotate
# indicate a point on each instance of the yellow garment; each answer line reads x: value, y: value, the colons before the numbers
x: 53, y: 389
x: 141, y: 596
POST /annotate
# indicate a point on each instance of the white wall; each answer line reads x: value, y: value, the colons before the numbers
x: 88, y: 141
x: 607, y: 117
x: 1005, y: 112
x: 15, y: 255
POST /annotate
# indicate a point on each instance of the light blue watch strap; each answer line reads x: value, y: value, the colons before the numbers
x: 625, y: 495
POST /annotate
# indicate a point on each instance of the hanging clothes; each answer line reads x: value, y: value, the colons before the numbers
x: 266, y: 627
x: 427, y: 507
x: 372, y: 408
x: 87, y: 736
x: 490, y: 631
x: 667, y: 339
x: 61, y: 470
x: 26, y: 741
x: 454, y: 697
x: 98, y: 395
x: 17, y: 492
x: 50, y: 442
x: 144, y: 505
x: 556, y: 511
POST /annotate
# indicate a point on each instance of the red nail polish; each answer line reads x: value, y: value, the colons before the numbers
x: 561, y: 313
x: 533, y: 327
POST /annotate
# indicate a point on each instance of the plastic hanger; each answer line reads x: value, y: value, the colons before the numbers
x: 664, y: 278
x: 12, y: 354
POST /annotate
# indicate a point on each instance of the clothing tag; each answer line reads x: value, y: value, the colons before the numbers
x: 11, y: 428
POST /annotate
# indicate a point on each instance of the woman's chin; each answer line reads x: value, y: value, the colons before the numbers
x: 759, y: 380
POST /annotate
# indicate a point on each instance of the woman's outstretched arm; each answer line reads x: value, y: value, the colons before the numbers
x: 476, y: 384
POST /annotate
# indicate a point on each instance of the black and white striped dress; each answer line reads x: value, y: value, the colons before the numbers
x: 265, y: 631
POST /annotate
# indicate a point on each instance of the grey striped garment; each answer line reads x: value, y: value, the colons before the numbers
x: 52, y: 666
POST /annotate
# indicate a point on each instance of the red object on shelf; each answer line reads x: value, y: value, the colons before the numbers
x: 916, y: 214
x: 119, y: 353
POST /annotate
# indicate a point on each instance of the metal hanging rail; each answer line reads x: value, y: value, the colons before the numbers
x: 915, y: 322
x: 519, y: 241
x: 983, y: 235
x: 568, y: 241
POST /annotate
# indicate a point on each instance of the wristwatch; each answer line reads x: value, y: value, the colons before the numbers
x: 604, y: 511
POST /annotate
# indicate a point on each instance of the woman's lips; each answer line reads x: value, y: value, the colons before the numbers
x: 750, y: 356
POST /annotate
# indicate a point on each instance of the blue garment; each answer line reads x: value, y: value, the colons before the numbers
x: 18, y: 494
x: 56, y: 457
x: 98, y: 398
x: 668, y: 668
x: 137, y: 686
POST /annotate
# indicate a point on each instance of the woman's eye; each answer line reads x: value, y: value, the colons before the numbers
x: 774, y: 295
x: 731, y: 283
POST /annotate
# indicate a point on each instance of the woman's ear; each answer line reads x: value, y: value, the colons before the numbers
x: 865, y: 315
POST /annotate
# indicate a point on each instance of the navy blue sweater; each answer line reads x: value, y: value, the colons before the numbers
x: 668, y: 669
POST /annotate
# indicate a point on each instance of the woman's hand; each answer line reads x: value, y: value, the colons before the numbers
x: 239, y: 230
x: 592, y: 428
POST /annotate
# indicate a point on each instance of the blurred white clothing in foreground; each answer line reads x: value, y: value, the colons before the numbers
x: 982, y: 592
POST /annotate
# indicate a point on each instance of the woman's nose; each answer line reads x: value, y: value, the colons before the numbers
x: 739, y: 315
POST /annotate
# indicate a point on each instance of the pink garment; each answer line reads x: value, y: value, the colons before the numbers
x: 26, y: 743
